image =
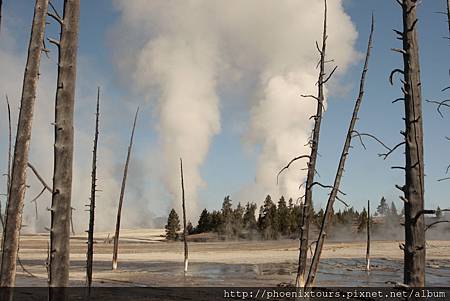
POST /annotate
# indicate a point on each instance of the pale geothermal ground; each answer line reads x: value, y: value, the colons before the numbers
x: 145, y: 259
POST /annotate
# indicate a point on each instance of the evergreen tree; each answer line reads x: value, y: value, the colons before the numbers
x: 393, y: 210
x: 226, y: 225
x: 190, y: 229
x: 283, y: 217
x: 438, y: 212
x: 173, y: 226
x: 238, y: 220
x: 249, y: 219
x: 216, y: 221
x: 268, y: 220
x: 383, y: 208
x: 362, y: 221
x: 204, y: 222
x: 295, y: 216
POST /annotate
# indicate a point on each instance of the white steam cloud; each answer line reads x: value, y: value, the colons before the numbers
x: 186, y: 50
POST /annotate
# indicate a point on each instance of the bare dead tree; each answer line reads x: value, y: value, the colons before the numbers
x: 314, y: 144
x: 17, y: 183
x: 61, y: 210
x: 185, y: 233
x: 328, y: 215
x: 90, y: 242
x: 8, y: 172
x: 368, y: 238
x: 414, y: 249
x: 122, y: 194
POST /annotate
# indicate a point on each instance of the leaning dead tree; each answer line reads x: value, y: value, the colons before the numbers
x: 90, y: 243
x: 185, y: 233
x: 368, y: 238
x: 314, y: 145
x: 328, y: 215
x: 17, y: 183
x: 122, y: 194
x: 414, y: 248
x: 61, y: 209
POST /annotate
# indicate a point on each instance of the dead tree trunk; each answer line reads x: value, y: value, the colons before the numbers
x: 17, y: 183
x: 61, y: 209
x: 335, y: 188
x: 368, y: 238
x: 314, y: 143
x: 8, y: 176
x: 90, y: 244
x: 122, y: 193
x: 414, y: 249
x: 185, y: 234
x: 448, y: 17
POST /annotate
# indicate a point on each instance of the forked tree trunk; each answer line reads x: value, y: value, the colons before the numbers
x: 17, y: 183
x: 333, y: 195
x: 314, y: 143
x: 414, y: 250
x: 185, y: 234
x: 90, y: 244
x: 61, y: 209
x: 368, y: 238
x: 122, y: 194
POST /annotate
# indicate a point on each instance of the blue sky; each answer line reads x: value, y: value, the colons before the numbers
x: 229, y: 166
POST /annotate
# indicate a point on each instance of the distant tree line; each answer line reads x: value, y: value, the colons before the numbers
x: 279, y: 220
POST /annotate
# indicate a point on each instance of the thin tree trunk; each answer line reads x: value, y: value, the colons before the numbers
x: 333, y: 195
x: 122, y: 193
x: 17, y: 183
x: 90, y: 248
x: 368, y: 238
x: 185, y: 234
x: 414, y: 250
x: 307, y: 208
x: 448, y: 17
x: 8, y: 176
x: 61, y: 209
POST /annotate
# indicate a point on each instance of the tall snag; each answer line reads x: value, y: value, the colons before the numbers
x: 8, y: 175
x: 368, y: 238
x: 314, y: 144
x: 414, y: 249
x: 185, y: 233
x: 122, y: 193
x: 90, y: 243
x: 63, y: 148
x: 17, y: 181
x: 335, y: 188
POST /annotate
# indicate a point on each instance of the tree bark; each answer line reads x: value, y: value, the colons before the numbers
x: 306, y: 209
x: 414, y: 250
x: 185, y: 234
x: 368, y: 238
x: 17, y: 183
x: 90, y: 248
x: 122, y: 193
x: 61, y: 209
x: 335, y: 190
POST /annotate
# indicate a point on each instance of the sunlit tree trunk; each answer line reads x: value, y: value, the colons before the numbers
x: 61, y: 209
x: 17, y: 181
